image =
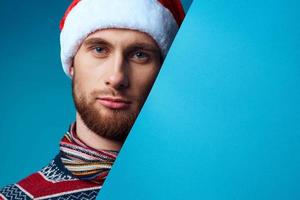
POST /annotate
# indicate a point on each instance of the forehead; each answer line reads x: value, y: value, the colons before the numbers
x: 122, y: 37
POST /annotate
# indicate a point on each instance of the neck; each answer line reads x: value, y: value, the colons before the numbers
x: 94, y: 140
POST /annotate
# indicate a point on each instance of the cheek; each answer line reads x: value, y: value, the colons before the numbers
x: 82, y: 86
x: 86, y: 65
x: 87, y: 76
x: 144, y: 82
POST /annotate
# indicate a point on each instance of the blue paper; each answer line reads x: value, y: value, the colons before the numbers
x: 222, y: 121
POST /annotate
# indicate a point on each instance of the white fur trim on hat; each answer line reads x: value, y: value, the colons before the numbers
x: 88, y: 16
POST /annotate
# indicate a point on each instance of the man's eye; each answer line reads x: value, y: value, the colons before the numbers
x: 140, y: 56
x: 99, y: 49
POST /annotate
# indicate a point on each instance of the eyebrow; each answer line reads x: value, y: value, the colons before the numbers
x: 145, y: 46
x: 93, y: 41
x: 135, y: 46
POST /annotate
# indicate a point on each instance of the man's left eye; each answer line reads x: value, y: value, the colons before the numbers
x: 140, y: 56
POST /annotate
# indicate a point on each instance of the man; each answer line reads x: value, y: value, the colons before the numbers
x: 112, y: 50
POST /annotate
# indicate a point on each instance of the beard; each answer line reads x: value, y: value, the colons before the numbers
x: 111, y: 124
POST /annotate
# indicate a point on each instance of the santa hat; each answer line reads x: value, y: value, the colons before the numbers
x: 158, y: 18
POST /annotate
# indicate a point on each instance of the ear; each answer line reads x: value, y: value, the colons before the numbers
x: 71, y: 71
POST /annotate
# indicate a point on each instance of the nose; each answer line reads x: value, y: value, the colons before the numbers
x: 118, y: 73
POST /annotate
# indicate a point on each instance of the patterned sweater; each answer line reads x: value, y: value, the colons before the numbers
x: 77, y: 172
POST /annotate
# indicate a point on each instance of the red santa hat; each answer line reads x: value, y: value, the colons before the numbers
x: 158, y: 18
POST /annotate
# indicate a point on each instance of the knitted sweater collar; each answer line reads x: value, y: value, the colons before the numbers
x: 83, y: 161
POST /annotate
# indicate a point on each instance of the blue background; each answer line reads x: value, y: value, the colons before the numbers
x: 222, y: 121
x: 36, y: 105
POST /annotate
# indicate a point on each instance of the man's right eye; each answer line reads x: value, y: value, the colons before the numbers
x: 99, y: 51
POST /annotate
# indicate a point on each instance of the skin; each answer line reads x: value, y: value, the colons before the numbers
x: 114, y: 64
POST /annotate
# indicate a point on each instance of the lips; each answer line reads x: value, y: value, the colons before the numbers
x: 114, y: 103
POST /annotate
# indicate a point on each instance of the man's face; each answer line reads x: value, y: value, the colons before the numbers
x: 113, y: 72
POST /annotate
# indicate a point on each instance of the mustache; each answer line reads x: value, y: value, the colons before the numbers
x: 113, y: 93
